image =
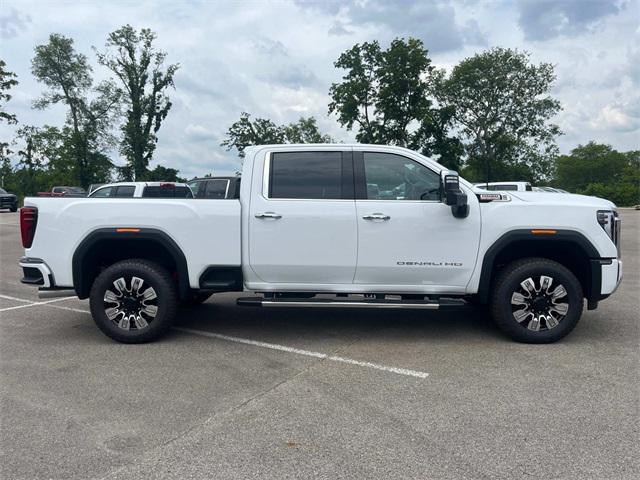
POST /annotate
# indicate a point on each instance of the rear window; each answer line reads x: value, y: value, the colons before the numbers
x: 125, y: 191
x: 216, y: 189
x: 510, y: 188
x: 167, y: 192
x: 101, y: 192
x: 306, y: 175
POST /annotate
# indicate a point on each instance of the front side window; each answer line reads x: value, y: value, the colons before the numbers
x: 394, y: 177
x: 306, y: 175
x: 102, y: 192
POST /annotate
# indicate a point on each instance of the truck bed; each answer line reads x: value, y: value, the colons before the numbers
x: 208, y: 230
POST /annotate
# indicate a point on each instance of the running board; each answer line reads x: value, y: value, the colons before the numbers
x: 321, y: 302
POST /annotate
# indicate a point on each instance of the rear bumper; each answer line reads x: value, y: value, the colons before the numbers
x: 36, y: 272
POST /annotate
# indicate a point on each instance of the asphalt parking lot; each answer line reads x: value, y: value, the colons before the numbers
x: 300, y: 393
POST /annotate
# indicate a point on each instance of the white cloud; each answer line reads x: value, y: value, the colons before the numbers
x: 275, y: 59
x: 623, y: 117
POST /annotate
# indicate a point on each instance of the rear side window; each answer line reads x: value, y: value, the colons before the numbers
x: 528, y: 188
x: 167, y: 192
x: 125, y: 191
x: 216, y: 189
x: 306, y: 175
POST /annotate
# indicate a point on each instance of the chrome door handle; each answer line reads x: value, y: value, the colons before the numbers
x: 268, y: 215
x: 376, y: 216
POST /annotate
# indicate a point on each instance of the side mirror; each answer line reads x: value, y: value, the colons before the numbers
x: 453, y: 195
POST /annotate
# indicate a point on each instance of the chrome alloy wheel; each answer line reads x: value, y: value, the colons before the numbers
x: 537, y: 306
x: 131, y: 305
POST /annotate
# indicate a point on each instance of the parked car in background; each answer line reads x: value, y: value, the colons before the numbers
x: 142, y: 190
x: 216, y: 187
x: 505, y: 186
x: 64, y: 192
x: 8, y: 200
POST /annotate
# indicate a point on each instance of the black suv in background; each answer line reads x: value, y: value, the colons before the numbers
x: 8, y: 200
x: 220, y: 188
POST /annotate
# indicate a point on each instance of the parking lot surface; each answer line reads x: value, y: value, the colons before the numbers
x: 301, y: 393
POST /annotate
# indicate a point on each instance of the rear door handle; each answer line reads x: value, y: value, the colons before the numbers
x: 376, y: 216
x: 268, y: 215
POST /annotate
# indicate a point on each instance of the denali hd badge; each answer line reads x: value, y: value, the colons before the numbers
x: 430, y: 264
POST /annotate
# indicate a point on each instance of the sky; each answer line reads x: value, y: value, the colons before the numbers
x: 275, y: 59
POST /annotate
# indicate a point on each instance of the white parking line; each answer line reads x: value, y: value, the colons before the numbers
x: 31, y: 304
x: 245, y: 341
x: 297, y: 351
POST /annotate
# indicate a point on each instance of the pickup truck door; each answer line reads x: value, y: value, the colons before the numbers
x: 302, y: 217
x: 406, y: 235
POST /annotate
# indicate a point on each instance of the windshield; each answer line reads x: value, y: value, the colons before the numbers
x: 2, y: 191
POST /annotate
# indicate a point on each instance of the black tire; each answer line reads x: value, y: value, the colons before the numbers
x: 197, y: 298
x: 127, y: 326
x: 13, y: 209
x: 539, y: 303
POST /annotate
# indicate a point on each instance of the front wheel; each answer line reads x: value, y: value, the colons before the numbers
x: 536, y: 300
x: 134, y: 301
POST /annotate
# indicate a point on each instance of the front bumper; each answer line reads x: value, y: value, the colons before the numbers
x: 36, y: 272
x: 611, y: 277
x: 606, y: 275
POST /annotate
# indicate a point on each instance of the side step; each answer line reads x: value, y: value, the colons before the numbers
x: 360, y: 303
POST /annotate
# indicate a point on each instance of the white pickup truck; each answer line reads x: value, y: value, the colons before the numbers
x: 330, y: 226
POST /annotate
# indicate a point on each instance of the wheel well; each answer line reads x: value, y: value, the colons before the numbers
x: 570, y: 251
x: 104, y: 248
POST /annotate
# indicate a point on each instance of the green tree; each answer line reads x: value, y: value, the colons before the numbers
x: 67, y: 74
x: 502, y: 108
x: 600, y: 170
x: 166, y: 174
x: 383, y: 91
x: 32, y: 158
x: 7, y: 82
x: 139, y: 66
x: 261, y: 131
x: 386, y: 95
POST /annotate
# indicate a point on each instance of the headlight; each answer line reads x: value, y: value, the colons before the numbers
x: 610, y: 223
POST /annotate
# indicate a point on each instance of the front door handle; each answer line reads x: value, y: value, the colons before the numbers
x: 268, y: 215
x: 376, y: 216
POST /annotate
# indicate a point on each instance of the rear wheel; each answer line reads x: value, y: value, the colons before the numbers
x: 536, y: 300
x: 133, y: 301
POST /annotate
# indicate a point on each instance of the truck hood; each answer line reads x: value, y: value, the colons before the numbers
x: 563, y: 199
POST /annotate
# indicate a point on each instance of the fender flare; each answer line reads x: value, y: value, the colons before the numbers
x: 81, y: 285
x: 509, y: 238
